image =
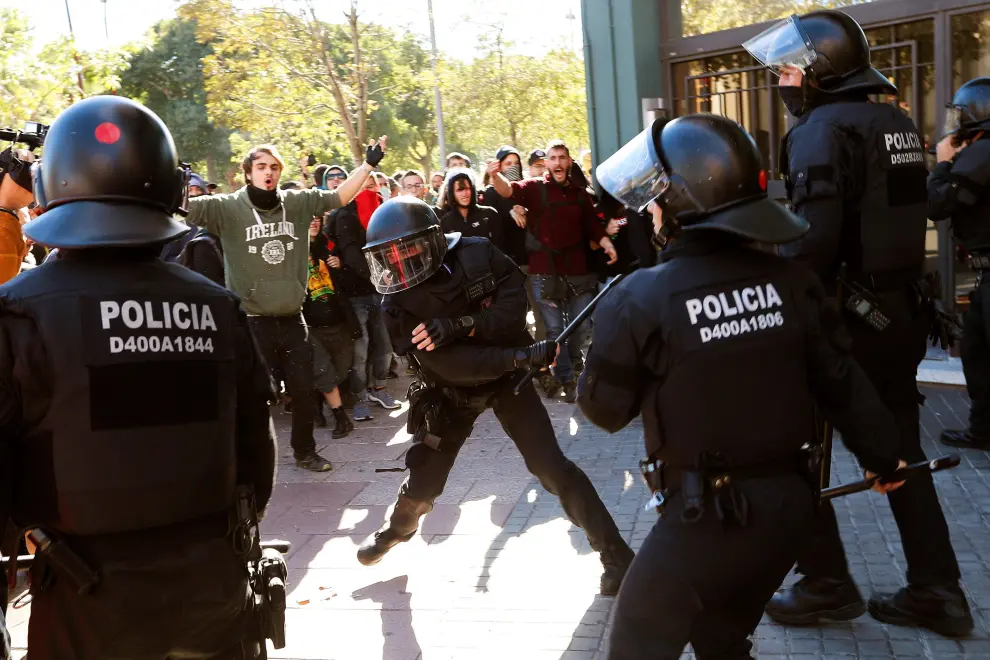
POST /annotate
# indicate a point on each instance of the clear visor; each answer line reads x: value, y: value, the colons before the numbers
x: 404, y: 263
x: 633, y: 174
x: 785, y: 44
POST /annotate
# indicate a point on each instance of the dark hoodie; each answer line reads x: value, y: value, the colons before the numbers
x: 482, y: 221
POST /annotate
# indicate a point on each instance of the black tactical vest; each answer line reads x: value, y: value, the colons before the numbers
x: 733, y: 379
x: 462, y: 287
x: 886, y: 216
x: 138, y: 428
x: 971, y: 172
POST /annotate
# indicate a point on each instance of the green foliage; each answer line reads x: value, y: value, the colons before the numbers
x: 38, y: 87
x: 167, y: 76
x: 704, y: 16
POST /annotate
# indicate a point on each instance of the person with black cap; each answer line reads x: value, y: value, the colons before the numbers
x: 135, y: 499
x: 722, y: 348
x: 537, y: 163
x: 457, y: 307
x: 856, y: 172
x: 957, y: 191
x: 198, y: 250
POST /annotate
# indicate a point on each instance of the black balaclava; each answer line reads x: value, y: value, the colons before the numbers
x: 798, y: 100
x: 266, y: 200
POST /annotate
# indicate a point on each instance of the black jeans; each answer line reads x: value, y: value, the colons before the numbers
x: 975, y: 353
x: 284, y: 343
x: 890, y: 359
x: 172, y: 597
x: 526, y: 422
x: 707, y: 582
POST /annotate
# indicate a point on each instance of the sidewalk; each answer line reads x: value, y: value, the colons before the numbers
x: 499, y: 572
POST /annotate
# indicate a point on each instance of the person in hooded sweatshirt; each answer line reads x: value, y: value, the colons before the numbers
x: 264, y: 232
x: 462, y: 213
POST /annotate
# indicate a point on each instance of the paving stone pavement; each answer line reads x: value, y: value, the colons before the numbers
x: 498, y: 571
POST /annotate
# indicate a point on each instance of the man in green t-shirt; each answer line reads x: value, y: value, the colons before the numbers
x: 264, y: 234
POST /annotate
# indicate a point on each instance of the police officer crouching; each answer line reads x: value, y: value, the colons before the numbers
x: 457, y: 307
x: 855, y: 171
x: 135, y: 499
x: 723, y: 349
x: 957, y: 191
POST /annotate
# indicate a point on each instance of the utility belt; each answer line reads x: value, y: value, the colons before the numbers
x: 429, y: 410
x: 715, y: 484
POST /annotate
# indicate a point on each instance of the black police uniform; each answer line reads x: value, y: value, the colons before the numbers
x: 855, y: 170
x: 140, y: 493
x: 477, y: 373
x: 723, y: 349
x: 959, y: 191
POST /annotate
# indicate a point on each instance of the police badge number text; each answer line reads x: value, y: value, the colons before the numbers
x: 904, y: 148
x: 158, y: 315
x: 737, y: 312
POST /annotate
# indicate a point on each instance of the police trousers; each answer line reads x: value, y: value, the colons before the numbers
x: 527, y: 423
x: 707, y: 582
x: 975, y: 353
x: 890, y: 359
x: 158, y: 598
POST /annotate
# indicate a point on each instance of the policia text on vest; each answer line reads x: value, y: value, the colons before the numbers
x: 903, y: 148
x: 149, y: 327
x: 754, y: 305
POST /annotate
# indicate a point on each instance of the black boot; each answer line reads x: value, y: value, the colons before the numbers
x: 813, y: 600
x: 344, y: 423
x: 401, y: 527
x: 965, y: 439
x: 615, y: 560
x: 320, y: 419
x: 941, y: 608
x: 570, y: 391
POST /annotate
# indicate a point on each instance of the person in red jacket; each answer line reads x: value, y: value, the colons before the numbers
x: 562, y: 222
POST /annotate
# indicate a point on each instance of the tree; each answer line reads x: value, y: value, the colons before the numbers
x: 523, y: 101
x: 167, y: 76
x: 39, y: 88
x: 280, y: 74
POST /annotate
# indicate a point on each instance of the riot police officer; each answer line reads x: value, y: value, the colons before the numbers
x: 722, y: 348
x: 134, y: 499
x: 957, y: 190
x: 855, y: 171
x: 457, y: 307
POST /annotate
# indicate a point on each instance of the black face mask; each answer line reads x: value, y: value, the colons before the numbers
x: 266, y: 200
x: 794, y: 99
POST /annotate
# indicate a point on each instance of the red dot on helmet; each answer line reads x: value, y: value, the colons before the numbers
x: 107, y: 133
x: 763, y: 180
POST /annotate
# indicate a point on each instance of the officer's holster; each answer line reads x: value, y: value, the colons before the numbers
x: 709, y: 483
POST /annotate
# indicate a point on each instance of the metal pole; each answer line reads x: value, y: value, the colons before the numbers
x: 106, y: 27
x: 438, y: 104
x: 68, y: 15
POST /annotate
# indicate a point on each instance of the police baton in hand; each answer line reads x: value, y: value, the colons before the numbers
x: 574, y: 325
x: 934, y: 465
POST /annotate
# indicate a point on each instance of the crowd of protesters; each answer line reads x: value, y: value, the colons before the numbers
x: 320, y: 326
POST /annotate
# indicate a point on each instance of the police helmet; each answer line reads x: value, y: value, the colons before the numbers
x: 405, y: 244
x: 830, y: 48
x: 110, y: 176
x: 705, y: 171
x: 970, y: 107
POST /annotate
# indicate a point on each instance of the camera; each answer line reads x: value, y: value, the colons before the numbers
x: 33, y: 135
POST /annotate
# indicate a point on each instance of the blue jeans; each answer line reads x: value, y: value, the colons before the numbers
x: 554, y: 318
x: 373, y: 351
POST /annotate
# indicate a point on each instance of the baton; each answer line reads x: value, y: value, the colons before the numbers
x: 934, y: 465
x: 572, y: 327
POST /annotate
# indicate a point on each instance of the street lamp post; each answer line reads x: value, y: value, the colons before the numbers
x: 441, y: 138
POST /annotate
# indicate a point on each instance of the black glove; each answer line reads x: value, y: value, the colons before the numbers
x: 374, y: 155
x: 540, y: 354
x: 444, y: 331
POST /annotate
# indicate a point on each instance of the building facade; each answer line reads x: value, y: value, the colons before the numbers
x: 677, y: 57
